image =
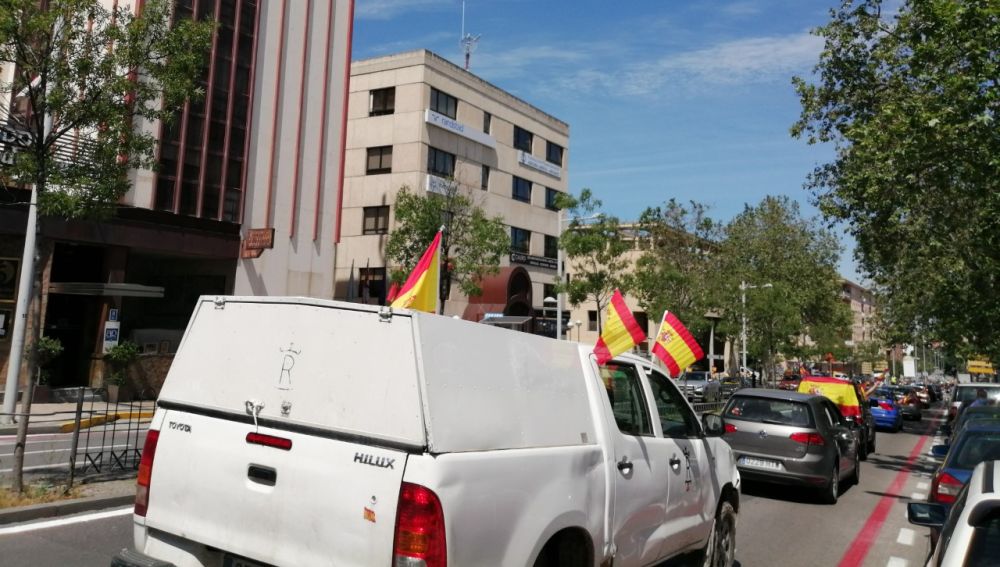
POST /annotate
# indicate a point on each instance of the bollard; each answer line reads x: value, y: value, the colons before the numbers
x: 76, y: 439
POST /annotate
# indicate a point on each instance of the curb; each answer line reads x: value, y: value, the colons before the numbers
x: 33, y: 429
x: 63, y: 508
x: 68, y: 426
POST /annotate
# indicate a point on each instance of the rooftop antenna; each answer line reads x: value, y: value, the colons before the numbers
x: 468, y: 41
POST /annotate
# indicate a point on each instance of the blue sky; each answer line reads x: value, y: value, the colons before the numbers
x: 664, y: 98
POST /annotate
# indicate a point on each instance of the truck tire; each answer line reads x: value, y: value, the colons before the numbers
x: 721, y: 548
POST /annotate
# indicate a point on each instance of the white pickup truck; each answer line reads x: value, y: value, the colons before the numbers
x: 304, y: 432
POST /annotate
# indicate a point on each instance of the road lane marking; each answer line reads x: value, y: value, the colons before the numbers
x: 923, y: 486
x: 896, y: 562
x: 65, y: 521
x: 858, y: 549
x: 918, y: 496
x: 906, y: 536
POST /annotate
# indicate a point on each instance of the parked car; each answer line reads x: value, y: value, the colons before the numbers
x: 699, y: 386
x: 965, y: 393
x: 852, y: 403
x: 792, y: 438
x: 971, y: 414
x: 729, y: 384
x: 885, y: 412
x: 967, y: 532
x: 906, y: 400
x: 359, y: 436
x: 790, y: 382
x: 978, y: 441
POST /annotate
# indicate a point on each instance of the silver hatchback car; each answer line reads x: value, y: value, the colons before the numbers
x: 791, y: 438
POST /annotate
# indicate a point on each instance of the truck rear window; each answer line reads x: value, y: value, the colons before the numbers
x: 764, y: 410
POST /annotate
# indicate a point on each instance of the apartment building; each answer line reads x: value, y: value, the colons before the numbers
x: 419, y: 121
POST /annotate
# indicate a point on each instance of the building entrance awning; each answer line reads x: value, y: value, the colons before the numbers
x: 106, y: 289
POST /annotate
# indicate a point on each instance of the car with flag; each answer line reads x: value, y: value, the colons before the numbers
x: 885, y: 412
x: 851, y: 401
x: 334, y: 433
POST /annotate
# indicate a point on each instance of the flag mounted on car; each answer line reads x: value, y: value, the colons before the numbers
x: 675, y: 346
x: 420, y: 291
x: 621, y: 331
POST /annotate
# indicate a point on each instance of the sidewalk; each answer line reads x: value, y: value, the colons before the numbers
x: 60, y: 417
x: 98, y: 495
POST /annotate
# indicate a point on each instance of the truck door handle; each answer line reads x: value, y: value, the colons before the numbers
x: 625, y: 465
x: 674, y: 462
x: 262, y: 475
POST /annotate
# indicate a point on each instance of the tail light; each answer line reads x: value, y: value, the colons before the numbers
x: 145, y: 472
x: 419, y: 538
x: 945, y: 488
x: 808, y: 438
x: 730, y: 428
x: 887, y: 406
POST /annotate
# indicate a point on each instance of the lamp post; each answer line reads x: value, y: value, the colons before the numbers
x: 545, y: 306
x: 559, y: 268
x: 713, y: 317
x: 744, y: 286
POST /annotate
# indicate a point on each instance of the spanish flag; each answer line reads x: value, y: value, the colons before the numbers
x: 621, y: 331
x: 420, y: 292
x: 675, y: 346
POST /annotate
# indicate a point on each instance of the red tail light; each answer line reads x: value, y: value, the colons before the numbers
x: 419, y: 528
x: 145, y: 472
x: 269, y: 441
x: 808, y: 438
x: 945, y: 488
x: 730, y: 428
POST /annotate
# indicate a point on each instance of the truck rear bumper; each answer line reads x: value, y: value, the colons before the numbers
x: 130, y: 558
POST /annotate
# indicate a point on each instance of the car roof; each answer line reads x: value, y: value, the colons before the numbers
x: 987, y: 425
x: 774, y: 394
x: 984, y: 485
x: 979, y: 385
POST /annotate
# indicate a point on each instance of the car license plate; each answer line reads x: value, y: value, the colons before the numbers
x: 235, y: 561
x: 760, y: 463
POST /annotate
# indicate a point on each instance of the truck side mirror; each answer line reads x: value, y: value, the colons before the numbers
x: 712, y: 424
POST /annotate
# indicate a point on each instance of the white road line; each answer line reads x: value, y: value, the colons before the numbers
x: 896, y: 562
x: 918, y: 496
x: 906, y: 536
x: 65, y: 521
x: 923, y: 486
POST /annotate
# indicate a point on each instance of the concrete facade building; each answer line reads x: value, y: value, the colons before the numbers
x: 417, y: 120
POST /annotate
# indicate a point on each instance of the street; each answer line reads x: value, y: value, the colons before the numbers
x: 778, y: 525
x: 49, y: 452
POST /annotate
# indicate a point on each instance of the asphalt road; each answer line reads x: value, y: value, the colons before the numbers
x: 778, y: 526
x: 50, y: 451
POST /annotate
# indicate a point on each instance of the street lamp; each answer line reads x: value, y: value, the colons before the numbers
x: 744, y: 286
x: 713, y: 317
x: 559, y: 268
x: 546, y: 303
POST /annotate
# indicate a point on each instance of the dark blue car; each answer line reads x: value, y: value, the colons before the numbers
x: 978, y: 441
x: 885, y: 411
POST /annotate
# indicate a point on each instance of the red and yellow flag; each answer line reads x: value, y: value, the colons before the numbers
x: 675, y: 346
x: 621, y: 331
x: 420, y: 292
x: 841, y: 392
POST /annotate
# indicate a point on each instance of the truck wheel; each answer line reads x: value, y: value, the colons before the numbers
x: 832, y: 489
x: 721, y: 548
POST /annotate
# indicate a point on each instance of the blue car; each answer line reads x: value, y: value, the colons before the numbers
x: 885, y: 411
x: 978, y: 441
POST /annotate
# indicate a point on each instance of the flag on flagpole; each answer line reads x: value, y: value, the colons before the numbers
x: 621, y: 331
x: 675, y: 346
x: 420, y: 291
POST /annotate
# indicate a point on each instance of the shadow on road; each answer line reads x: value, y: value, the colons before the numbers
x: 786, y: 493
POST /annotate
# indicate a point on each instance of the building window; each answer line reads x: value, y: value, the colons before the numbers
x: 550, y: 199
x: 443, y: 103
x: 376, y: 220
x: 487, y: 122
x: 553, y: 153
x: 551, y: 246
x: 521, y: 190
x: 484, y: 181
x: 379, y: 160
x: 440, y: 163
x: 381, y: 101
x: 371, y: 285
x: 522, y: 139
x: 591, y: 320
x: 520, y: 240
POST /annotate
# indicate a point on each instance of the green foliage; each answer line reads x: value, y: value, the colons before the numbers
x: 677, y: 262
x: 47, y: 350
x: 596, y: 247
x: 98, y: 72
x: 472, y: 246
x: 910, y: 104
x: 119, y: 357
x: 772, y: 243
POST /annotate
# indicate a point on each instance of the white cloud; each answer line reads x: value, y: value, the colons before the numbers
x: 388, y: 9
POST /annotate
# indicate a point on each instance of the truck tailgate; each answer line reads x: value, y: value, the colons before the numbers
x: 331, y: 501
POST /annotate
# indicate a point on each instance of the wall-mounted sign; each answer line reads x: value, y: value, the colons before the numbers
x: 537, y: 261
x: 8, y: 278
x: 545, y: 167
x: 443, y: 122
x: 11, y: 140
x: 112, y: 330
x: 438, y: 185
x: 6, y: 316
x: 257, y: 240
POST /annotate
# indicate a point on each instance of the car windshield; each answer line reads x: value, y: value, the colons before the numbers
x: 975, y: 447
x: 968, y: 393
x: 764, y: 410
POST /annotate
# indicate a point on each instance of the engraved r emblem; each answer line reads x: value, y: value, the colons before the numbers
x: 287, y: 363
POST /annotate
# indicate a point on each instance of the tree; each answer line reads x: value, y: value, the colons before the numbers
x: 472, y: 244
x: 677, y: 262
x: 596, y: 248
x: 910, y: 103
x: 772, y: 243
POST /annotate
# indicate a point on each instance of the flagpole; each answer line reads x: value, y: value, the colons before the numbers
x: 440, y: 305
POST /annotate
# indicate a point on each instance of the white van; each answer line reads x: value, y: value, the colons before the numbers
x: 303, y: 432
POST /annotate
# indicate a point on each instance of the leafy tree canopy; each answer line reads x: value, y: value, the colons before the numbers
x: 472, y: 246
x: 95, y: 71
x: 910, y: 102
